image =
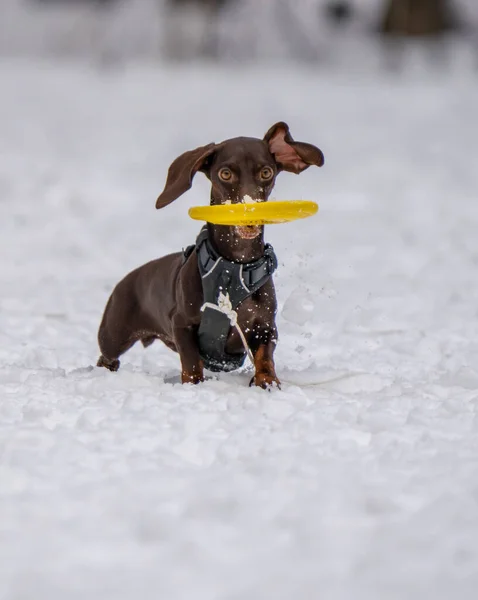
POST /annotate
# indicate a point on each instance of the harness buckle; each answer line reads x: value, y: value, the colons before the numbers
x: 271, y: 257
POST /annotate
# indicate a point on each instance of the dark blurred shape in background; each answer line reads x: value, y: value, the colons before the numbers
x: 338, y: 12
x: 183, y: 41
x: 418, y: 18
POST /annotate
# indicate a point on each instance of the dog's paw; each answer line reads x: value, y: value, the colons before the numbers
x: 266, y: 381
x: 193, y: 378
x: 112, y: 365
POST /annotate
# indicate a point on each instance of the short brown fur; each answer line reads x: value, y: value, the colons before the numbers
x: 162, y: 299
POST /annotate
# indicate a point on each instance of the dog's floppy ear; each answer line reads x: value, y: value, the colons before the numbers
x: 291, y: 155
x: 181, y: 173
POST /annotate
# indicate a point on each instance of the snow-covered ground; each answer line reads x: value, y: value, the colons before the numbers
x: 359, y: 480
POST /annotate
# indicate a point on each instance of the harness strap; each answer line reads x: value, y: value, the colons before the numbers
x: 225, y: 285
x: 247, y: 278
x: 224, y: 306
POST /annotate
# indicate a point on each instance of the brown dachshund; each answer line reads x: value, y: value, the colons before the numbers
x: 165, y: 298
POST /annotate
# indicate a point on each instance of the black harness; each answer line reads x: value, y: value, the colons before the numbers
x: 235, y: 280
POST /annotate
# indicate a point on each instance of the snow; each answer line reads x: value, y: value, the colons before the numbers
x: 359, y: 479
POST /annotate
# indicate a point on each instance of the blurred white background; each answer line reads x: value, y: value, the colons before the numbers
x: 304, y: 30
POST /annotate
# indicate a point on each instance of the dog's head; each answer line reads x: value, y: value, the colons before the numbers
x: 241, y: 169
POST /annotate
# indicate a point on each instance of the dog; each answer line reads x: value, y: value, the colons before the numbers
x: 165, y: 299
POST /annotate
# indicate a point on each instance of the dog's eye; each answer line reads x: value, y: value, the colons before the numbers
x: 225, y: 174
x: 267, y: 173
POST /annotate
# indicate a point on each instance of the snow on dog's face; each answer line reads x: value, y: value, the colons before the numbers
x: 241, y: 169
x: 248, y: 232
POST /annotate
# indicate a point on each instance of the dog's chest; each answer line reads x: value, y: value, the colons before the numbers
x: 230, y: 295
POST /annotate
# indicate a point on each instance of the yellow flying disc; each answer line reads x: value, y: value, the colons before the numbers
x: 254, y: 213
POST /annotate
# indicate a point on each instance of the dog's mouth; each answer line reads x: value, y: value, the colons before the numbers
x: 248, y: 232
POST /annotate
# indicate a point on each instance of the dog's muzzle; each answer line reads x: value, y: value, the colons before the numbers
x: 248, y: 232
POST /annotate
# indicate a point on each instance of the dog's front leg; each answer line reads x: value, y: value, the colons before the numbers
x: 185, y: 339
x: 263, y: 351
